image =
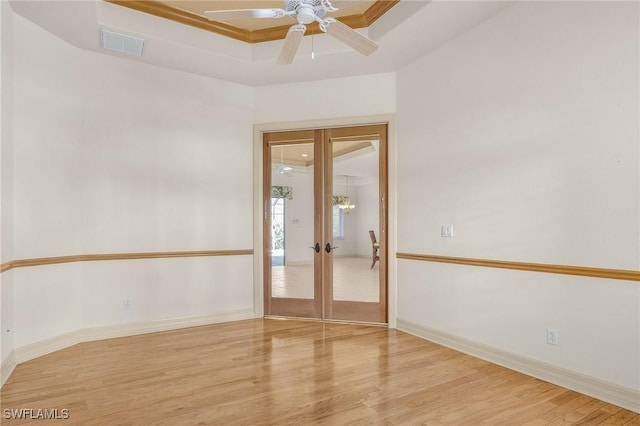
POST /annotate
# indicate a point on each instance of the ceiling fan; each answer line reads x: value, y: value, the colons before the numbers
x: 282, y: 168
x: 305, y: 12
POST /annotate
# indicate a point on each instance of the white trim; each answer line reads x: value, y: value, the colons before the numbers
x: 258, y: 252
x: 56, y: 343
x: 392, y: 233
x: 258, y: 130
x: 606, y: 391
x: 131, y: 329
x: 46, y: 346
x: 6, y: 368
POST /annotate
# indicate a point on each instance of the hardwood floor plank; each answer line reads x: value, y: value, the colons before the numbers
x: 623, y: 417
x: 288, y: 372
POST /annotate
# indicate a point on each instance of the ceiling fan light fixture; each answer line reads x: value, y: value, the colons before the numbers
x: 282, y: 168
x: 346, y: 204
x: 306, y: 15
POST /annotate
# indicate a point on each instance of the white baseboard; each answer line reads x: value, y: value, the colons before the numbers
x: 606, y: 391
x: 47, y: 346
x: 43, y: 347
x: 130, y: 329
x: 6, y: 368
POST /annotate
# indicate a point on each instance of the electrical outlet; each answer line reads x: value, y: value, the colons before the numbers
x: 126, y: 304
x: 553, y: 336
x: 446, y: 231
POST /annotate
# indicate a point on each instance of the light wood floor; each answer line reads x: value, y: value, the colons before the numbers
x: 353, y: 280
x: 288, y: 372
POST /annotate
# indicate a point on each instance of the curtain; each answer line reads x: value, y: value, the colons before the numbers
x: 282, y: 192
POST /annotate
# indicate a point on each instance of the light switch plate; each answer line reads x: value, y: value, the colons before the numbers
x: 446, y: 231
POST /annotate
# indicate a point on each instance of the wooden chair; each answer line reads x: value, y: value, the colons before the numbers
x: 375, y: 245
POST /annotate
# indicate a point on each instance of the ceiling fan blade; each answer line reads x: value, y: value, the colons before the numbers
x: 227, y: 15
x: 291, y: 43
x: 349, y: 36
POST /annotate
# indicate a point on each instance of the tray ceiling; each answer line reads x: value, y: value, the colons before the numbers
x: 406, y: 32
x: 359, y: 14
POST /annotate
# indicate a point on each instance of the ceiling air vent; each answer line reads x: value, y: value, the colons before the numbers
x: 121, y: 43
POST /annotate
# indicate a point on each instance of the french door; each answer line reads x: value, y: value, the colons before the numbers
x: 325, y: 228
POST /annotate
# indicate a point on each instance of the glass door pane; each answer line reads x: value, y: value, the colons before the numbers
x: 354, y: 273
x: 292, y: 221
x: 292, y: 225
x: 356, y: 276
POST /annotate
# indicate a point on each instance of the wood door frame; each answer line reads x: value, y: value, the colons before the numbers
x: 376, y: 312
x: 322, y: 305
x: 258, y: 130
x: 305, y: 308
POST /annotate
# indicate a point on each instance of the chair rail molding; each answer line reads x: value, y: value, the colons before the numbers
x: 614, y: 274
x: 39, y: 261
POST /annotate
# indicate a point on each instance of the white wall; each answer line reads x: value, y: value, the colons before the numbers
x: 6, y: 178
x: 368, y: 213
x: 298, y: 215
x: 167, y: 160
x: 48, y: 108
x: 365, y: 95
x: 48, y: 133
x: 523, y: 134
x: 116, y: 156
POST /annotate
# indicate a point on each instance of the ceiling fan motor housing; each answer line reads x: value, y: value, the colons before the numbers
x: 306, y: 11
x: 306, y: 15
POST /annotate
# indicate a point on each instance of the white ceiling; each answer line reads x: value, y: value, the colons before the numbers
x: 408, y: 31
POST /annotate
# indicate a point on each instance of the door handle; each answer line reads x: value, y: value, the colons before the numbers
x: 328, y: 248
x: 316, y: 248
